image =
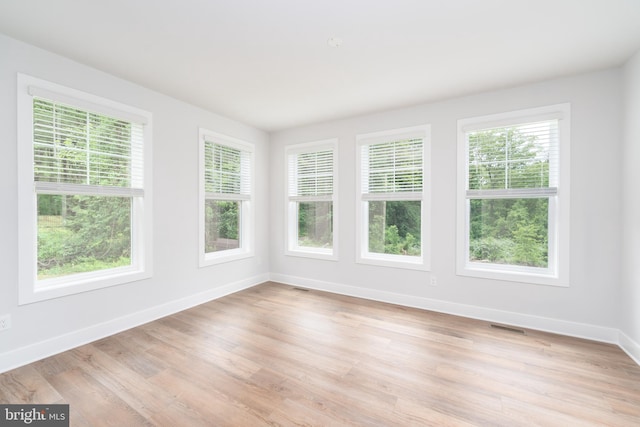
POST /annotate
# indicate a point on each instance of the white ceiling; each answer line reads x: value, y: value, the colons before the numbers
x: 267, y: 63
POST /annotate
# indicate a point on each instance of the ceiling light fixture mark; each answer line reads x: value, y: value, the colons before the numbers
x: 334, y: 42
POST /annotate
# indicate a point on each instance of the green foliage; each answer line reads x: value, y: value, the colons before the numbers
x: 53, y: 247
x: 102, y: 225
x: 222, y: 221
x: 50, y: 205
x: 315, y: 224
x: 83, y: 265
x: 93, y: 233
x: 491, y: 249
x: 394, y: 227
x: 395, y: 244
x: 509, y: 231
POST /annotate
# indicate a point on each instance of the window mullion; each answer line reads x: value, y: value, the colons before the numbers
x: 319, y: 198
x: 519, y: 193
x: 397, y: 196
x: 88, y: 148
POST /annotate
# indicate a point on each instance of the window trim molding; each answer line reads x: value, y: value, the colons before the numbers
x: 29, y: 290
x: 363, y: 256
x: 247, y: 214
x: 290, y: 227
x: 558, y: 241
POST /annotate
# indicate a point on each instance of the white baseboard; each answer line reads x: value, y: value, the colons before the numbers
x: 630, y: 347
x: 563, y: 327
x: 31, y: 353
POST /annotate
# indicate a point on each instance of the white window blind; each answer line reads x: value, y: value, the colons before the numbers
x: 227, y: 172
x: 513, y: 161
x: 392, y: 167
x: 311, y: 175
x: 83, y: 152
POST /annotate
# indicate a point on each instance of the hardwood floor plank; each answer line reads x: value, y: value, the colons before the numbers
x: 527, y: 414
x: 96, y: 404
x: 202, y: 346
x: 294, y: 413
x: 416, y: 414
x: 54, y: 365
x: 123, y: 381
x: 459, y: 401
x: 527, y: 390
x: 274, y: 355
x: 126, y: 351
x: 209, y: 377
x: 207, y: 406
x: 26, y: 385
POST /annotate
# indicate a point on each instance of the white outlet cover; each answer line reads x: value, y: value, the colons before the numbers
x: 5, y: 322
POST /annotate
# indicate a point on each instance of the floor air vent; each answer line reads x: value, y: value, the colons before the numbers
x: 301, y: 289
x: 508, y: 328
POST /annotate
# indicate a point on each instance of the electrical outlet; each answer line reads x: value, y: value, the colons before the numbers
x: 434, y: 281
x: 5, y: 322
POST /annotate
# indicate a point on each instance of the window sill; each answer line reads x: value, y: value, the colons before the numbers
x: 302, y: 252
x: 394, y: 261
x: 78, y: 283
x: 221, y: 257
x: 511, y: 274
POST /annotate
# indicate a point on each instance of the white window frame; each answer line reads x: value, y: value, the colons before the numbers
x: 247, y: 205
x: 557, y: 272
x: 363, y: 256
x: 292, y: 247
x: 30, y: 288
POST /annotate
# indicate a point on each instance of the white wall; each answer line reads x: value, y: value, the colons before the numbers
x: 47, y: 327
x: 589, y: 307
x: 631, y: 207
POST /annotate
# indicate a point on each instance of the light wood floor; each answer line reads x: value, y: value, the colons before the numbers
x: 277, y: 355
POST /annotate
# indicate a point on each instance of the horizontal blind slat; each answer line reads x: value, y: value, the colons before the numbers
x: 225, y: 196
x: 393, y: 166
x: 80, y: 147
x: 311, y: 173
x: 520, y: 193
x: 320, y: 198
x: 399, y: 196
x: 89, y: 190
x: 519, y: 156
x: 227, y: 170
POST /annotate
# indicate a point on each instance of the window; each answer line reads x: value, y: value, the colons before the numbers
x: 311, y: 200
x: 393, y: 198
x: 84, y: 169
x: 513, y: 189
x: 226, y: 189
